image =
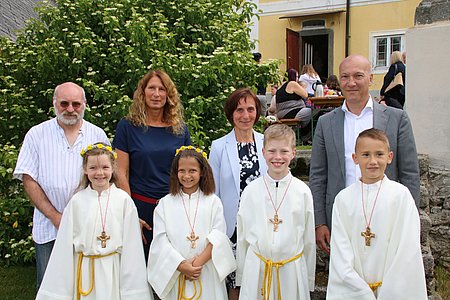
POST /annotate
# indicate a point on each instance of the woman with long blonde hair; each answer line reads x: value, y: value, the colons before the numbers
x: 394, y: 97
x: 145, y: 141
x: 310, y: 76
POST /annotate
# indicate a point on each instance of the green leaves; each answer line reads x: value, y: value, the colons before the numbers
x: 203, y: 45
x: 106, y: 46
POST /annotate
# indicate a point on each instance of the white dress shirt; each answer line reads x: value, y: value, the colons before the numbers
x: 353, y: 126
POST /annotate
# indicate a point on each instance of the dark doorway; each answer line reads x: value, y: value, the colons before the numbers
x: 311, y: 46
x: 314, y: 50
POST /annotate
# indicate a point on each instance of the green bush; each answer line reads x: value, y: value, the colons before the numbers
x: 8, y: 157
x: 106, y: 46
x: 16, y: 244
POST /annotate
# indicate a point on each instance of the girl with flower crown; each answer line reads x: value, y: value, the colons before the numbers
x: 98, y: 252
x: 190, y: 255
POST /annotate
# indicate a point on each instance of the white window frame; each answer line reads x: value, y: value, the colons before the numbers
x: 374, y: 36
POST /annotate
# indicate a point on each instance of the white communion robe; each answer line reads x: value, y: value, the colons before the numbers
x: 120, y: 275
x: 394, y: 256
x: 295, y: 235
x: 170, y: 245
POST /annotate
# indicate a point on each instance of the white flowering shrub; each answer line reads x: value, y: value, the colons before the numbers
x: 106, y: 46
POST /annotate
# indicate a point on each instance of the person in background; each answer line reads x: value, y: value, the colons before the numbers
x: 332, y: 166
x: 145, y: 143
x: 310, y: 76
x: 272, y: 110
x: 394, y: 97
x: 332, y: 86
x: 291, y: 104
x: 261, y: 87
x: 304, y: 85
x: 236, y: 159
x: 49, y: 165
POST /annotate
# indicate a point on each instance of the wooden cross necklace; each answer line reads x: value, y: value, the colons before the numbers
x: 367, y: 234
x: 103, y: 237
x: 191, y: 237
x: 276, y: 220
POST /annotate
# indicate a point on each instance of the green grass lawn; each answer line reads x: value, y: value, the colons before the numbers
x: 443, y: 282
x: 18, y: 283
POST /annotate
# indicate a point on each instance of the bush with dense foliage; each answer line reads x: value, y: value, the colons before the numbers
x: 106, y: 46
x: 16, y: 245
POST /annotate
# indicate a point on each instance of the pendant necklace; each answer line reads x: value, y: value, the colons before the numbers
x: 367, y: 234
x: 276, y: 219
x: 191, y: 237
x: 103, y: 237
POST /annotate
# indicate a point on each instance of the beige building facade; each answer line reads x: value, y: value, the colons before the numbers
x: 323, y: 32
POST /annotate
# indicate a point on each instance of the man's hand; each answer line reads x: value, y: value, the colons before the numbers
x: 56, y: 219
x: 143, y: 225
x: 191, y: 272
x: 323, y: 238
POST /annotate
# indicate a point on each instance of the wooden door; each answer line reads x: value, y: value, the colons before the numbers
x: 292, y: 49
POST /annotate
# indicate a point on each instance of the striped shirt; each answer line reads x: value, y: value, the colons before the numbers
x: 47, y: 157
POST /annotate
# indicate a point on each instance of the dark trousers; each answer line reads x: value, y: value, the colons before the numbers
x: 145, y: 212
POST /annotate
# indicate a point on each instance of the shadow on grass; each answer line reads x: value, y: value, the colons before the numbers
x: 17, y: 283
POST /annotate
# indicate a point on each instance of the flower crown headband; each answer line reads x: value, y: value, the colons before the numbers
x: 198, y: 150
x: 98, y: 146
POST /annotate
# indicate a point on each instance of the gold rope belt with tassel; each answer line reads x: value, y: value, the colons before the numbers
x: 80, y: 291
x: 269, y: 265
x: 375, y: 285
x: 182, y: 288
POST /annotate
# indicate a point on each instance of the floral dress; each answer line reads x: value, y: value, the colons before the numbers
x: 249, y: 166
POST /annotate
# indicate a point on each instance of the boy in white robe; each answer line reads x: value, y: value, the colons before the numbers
x: 190, y: 255
x: 375, y: 240
x: 98, y: 251
x: 276, y: 252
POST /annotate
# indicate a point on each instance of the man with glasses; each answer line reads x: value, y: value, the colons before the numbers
x: 50, y: 165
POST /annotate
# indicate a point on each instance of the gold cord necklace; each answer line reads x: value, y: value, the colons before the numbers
x: 103, y: 237
x: 367, y: 234
x: 191, y: 237
x: 276, y: 220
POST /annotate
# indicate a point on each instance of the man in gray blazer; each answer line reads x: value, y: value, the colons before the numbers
x: 332, y: 168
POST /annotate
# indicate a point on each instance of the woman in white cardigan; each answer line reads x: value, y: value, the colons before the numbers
x: 236, y: 159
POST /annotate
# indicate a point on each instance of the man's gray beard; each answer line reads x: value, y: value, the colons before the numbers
x: 69, y: 122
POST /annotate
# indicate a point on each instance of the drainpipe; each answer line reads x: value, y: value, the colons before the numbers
x: 347, y: 26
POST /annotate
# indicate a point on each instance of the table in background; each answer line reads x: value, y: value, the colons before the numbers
x: 323, y: 104
x: 327, y: 101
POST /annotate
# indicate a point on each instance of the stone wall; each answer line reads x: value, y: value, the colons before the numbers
x: 434, y: 214
x: 435, y: 192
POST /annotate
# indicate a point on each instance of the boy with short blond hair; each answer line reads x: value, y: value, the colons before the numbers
x: 375, y: 241
x: 276, y: 253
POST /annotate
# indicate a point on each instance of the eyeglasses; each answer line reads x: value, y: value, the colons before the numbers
x: 75, y: 105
